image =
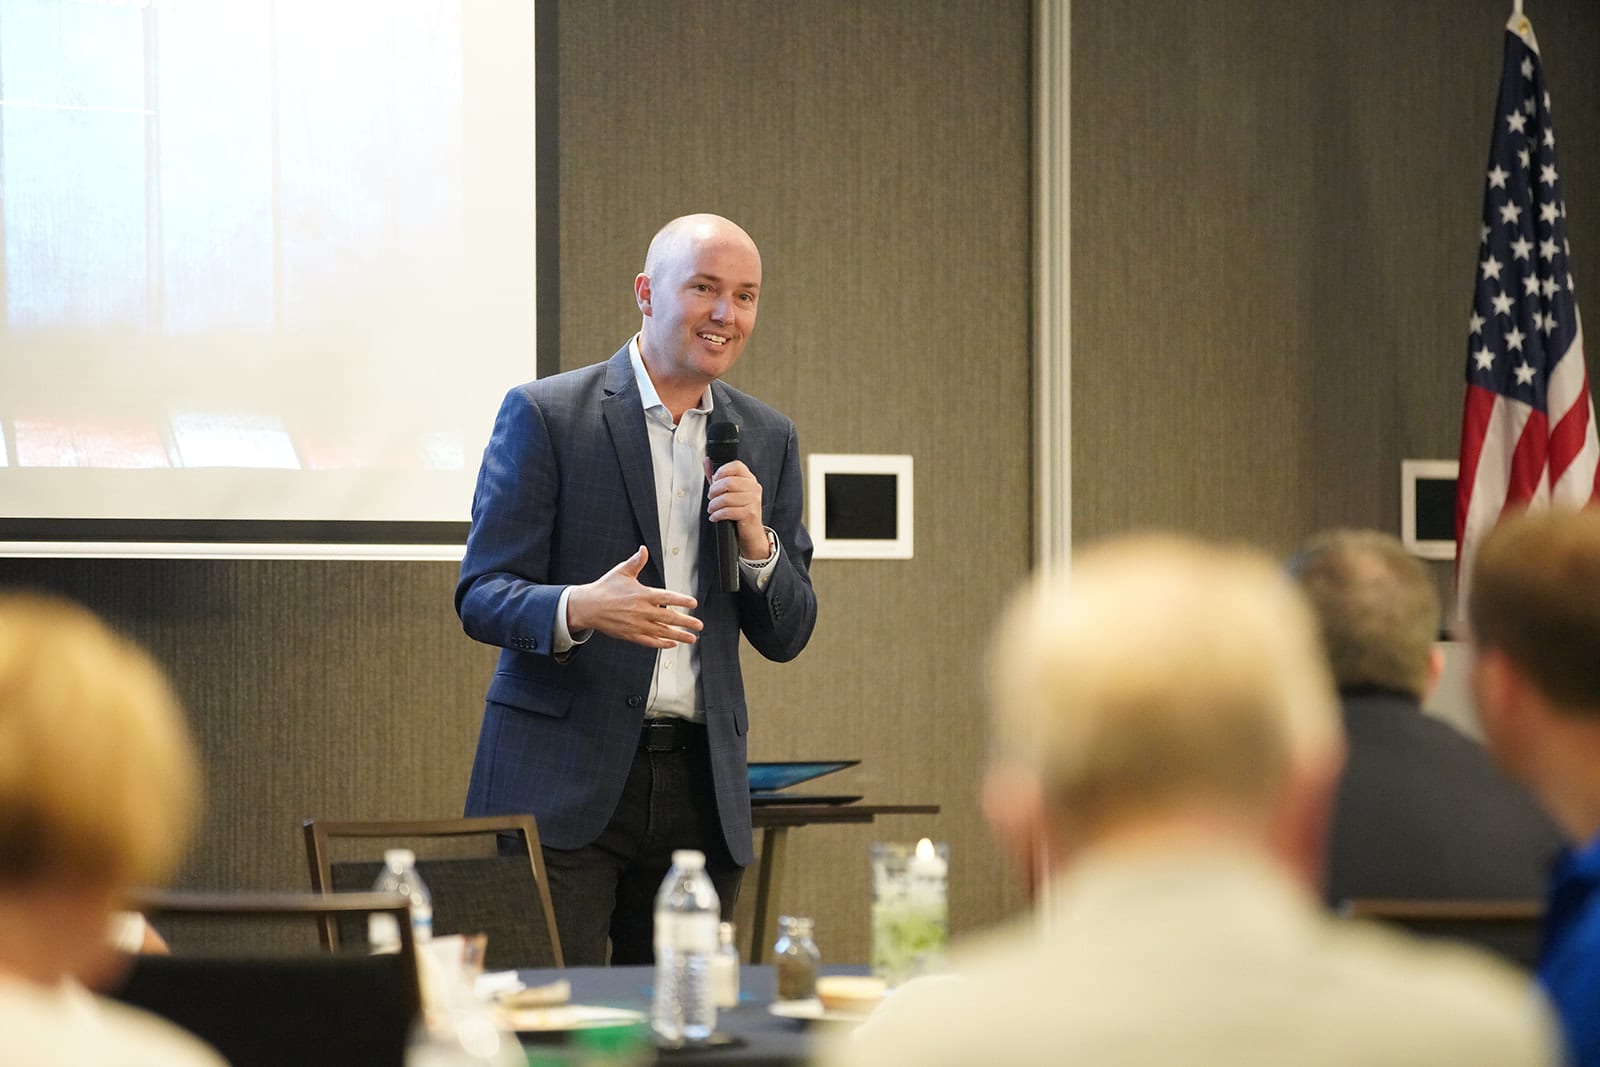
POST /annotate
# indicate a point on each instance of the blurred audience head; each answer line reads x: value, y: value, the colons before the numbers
x: 1377, y: 609
x: 1161, y: 679
x: 1534, y: 613
x: 1536, y: 602
x: 98, y: 784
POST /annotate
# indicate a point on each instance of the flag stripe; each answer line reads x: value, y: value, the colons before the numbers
x: 1486, y: 492
x: 1568, y: 437
x: 1528, y: 463
x: 1474, y: 429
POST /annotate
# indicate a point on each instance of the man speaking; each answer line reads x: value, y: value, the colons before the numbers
x: 616, y: 714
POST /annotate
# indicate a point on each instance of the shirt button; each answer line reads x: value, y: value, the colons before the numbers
x: 680, y: 492
x: 675, y: 550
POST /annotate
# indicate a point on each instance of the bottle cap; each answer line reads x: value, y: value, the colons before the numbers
x: 689, y: 859
x: 400, y: 857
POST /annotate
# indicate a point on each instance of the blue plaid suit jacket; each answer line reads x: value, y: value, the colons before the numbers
x: 565, y: 493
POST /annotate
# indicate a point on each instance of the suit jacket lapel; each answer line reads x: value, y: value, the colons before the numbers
x: 625, y: 420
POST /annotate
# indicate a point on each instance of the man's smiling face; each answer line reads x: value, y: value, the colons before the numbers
x: 699, y: 304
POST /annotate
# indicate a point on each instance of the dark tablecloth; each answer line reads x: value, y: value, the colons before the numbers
x: 761, y: 1038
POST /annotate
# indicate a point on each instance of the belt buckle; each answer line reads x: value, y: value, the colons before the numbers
x: 666, y: 731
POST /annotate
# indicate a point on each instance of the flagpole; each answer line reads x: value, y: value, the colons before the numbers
x: 1516, y: 8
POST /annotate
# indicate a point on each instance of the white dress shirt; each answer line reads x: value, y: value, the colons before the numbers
x: 677, y: 458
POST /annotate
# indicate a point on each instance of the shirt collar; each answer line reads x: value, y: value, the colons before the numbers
x: 648, y: 397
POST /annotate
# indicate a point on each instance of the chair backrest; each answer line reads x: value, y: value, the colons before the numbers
x: 1508, y: 928
x: 501, y: 892
x: 315, y: 1009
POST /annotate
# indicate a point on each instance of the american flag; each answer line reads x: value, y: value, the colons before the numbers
x: 1528, y: 431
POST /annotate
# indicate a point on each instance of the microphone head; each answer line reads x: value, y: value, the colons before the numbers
x: 722, y: 442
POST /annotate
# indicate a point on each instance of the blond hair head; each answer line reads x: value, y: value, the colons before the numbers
x: 98, y: 776
x: 1158, y: 671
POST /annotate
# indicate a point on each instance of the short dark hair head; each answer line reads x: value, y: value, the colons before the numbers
x: 1535, y: 596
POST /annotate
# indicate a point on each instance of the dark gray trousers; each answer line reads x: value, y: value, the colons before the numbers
x: 607, y: 888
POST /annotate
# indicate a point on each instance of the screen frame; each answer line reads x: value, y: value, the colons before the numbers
x: 819, y: 466
x: 1413, y: 472
x: 339, y: 539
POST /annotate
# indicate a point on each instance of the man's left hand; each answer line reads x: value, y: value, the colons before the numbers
x: 735, y: 496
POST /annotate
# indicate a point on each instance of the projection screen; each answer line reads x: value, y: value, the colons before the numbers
x: 268, y: 267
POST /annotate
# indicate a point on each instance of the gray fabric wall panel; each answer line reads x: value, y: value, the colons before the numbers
x: 1275, y: 220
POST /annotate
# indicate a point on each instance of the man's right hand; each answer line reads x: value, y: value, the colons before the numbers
x: 618, y: 606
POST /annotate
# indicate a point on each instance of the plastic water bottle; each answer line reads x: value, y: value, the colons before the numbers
x: 687, y: 917
x: 399, y: 875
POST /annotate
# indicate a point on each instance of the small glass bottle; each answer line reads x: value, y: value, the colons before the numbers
x: 725, y: 969
x: 795, y: 957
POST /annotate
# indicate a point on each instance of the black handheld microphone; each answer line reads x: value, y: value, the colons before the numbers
x: 722, y: 446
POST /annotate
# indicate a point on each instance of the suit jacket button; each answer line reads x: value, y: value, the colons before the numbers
x: 635, y: 701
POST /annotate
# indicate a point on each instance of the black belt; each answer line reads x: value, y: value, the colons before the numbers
x: 670, y: 734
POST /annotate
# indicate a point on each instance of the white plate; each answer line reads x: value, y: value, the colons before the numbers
x: 567, y: 1017
x: 811, y: 1010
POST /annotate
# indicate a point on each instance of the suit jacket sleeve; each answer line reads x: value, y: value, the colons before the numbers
x: 506, y: 595
x: 777, y: 620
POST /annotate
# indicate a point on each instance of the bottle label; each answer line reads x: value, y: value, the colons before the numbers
x: 687, y: 933
x: 383, y: 932
x: 421, y: 921
x: 725, y: 979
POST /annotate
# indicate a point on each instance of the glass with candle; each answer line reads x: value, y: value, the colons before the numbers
x: 910, y: 912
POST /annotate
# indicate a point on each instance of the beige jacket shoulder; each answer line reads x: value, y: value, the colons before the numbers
x: 1206, y: 958
x: 70, y: 1027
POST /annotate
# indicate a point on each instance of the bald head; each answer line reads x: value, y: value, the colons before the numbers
x: 676, y: 241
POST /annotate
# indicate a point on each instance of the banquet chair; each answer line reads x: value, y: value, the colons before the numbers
x: 1507, y: 928
x: 486, y: 876
x: 258, y: 1008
